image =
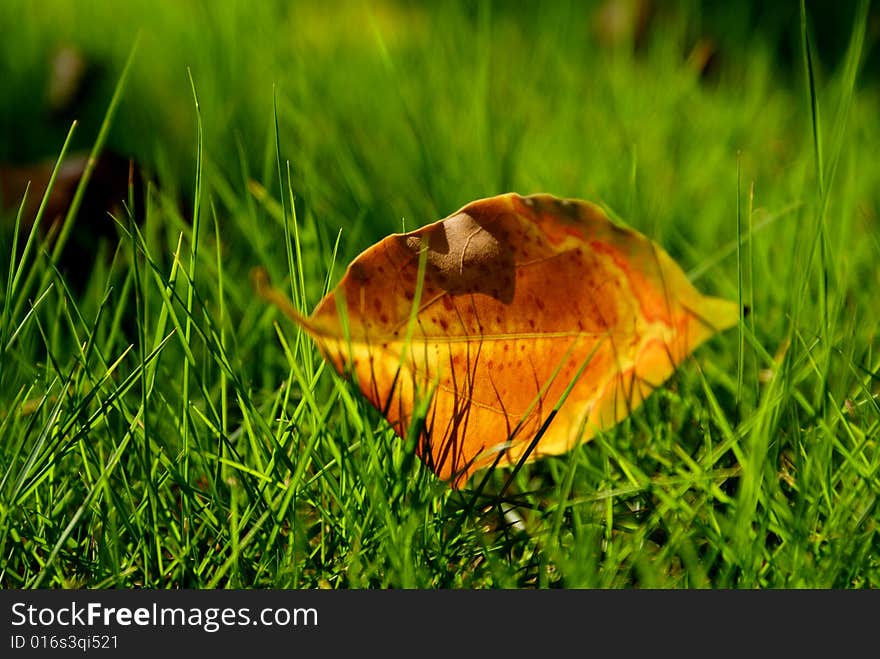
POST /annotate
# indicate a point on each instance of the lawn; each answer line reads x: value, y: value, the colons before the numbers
x: 163, y: 426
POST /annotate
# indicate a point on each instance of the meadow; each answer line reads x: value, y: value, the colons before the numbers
x: 163, y: 426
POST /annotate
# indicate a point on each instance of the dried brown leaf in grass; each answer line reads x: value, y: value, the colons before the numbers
x: 509, y: 313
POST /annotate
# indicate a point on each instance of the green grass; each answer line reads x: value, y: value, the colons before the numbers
x: 162, y: 426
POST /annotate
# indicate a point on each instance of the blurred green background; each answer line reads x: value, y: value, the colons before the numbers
x: 412, y: 109
x: 231, y: 460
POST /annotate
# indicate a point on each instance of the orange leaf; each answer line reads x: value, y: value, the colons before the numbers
x: 520, y: 305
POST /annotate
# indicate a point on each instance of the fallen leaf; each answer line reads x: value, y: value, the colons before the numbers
x: 511, y: 313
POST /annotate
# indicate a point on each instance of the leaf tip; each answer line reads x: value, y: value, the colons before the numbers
x: 718, y: 314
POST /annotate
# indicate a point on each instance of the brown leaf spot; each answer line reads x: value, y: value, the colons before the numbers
x: 465, y: 256
x: 358, y: 272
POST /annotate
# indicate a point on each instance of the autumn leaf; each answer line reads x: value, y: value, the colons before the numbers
x: 532, y: 323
